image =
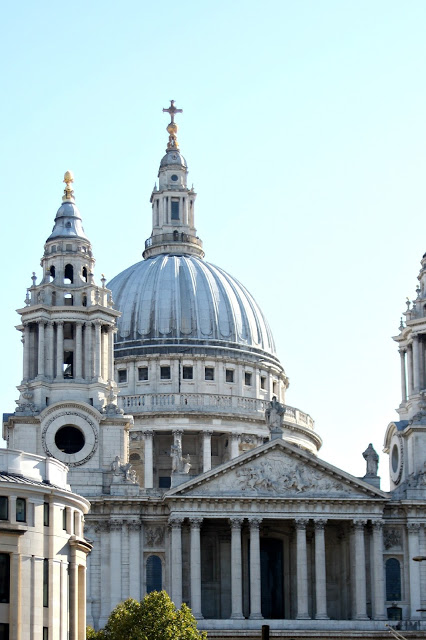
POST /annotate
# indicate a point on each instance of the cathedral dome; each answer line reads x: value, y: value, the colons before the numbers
x: 183, y: 300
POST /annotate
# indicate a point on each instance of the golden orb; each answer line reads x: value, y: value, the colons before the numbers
x: 172, y: 128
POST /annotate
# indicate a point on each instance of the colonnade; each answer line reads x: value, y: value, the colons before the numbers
x: 358, y: 568
x: 92, y: 345
x: 412, y: 367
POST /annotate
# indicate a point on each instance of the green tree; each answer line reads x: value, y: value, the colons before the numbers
x: 154, y: 618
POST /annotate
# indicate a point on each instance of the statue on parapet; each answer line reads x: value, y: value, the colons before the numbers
x: 179, y: 463
x: 372, y: 459
x: 274, y: 416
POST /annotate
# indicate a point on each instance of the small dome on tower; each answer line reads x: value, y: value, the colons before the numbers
x: 173, y: 157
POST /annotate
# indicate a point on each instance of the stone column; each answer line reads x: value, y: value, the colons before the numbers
x: 115, y: 527
x: 73, y: 601
x: 320, y: 571
x: 302, y: 570
x: 358, y: 567
x: 135, y: 560
x: 236, y: 570
x: 26, y: 345
x: 49, y: 349
x: 413, y: 551
x: 15, y: 596
x: 59, y: 350
x: 196, y: 567
x: 410, y: 370
x: 41, y: 349
x: 111, y: 331
x: 98, y: 348
x: 175, y: 523
x: 403, y: 377
x: 88, y: 362
x: 416, y: 364
x: 207, y: 450
x: 79, y: 350
x: 378, y: 586
x: 255, y: 575
x: 235, y: 445
x: 148, y: 459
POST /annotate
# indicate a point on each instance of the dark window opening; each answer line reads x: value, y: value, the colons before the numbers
x: 69, y: 274
x: 174, y: 177
x: 69, y: 439
x: 394, y: 613
x: 4, y: 577
x: 122, y: 375
x: 4, y: 631
x: 68, y: 300
x: 262, y: 382
x: 45, y: 633
x: 393, y: 579
x: 154, y: 580
x: 187, y: 373
x: 52, y: 273
x: 84, y: 273
x: 4, y: 508
x: 46, y: 514
x: 68, y: 330
x: 229, y: 375
x: 64, y: 519
x: 164, y: 482
x: 175, y: 236
x: 143, y: 374
x: 84, y: 300
x: 53, y: 298
x: 68, y: 365
x: 209, y: 373
x: 275, y: 388
x: 45, y: 582
x: 21, y: 510
x: 247, y: 379
x: 134, y: 457
x: 175, y: 209
x: 165, y: 373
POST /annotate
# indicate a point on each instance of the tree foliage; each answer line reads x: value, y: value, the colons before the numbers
x: 154, y: 618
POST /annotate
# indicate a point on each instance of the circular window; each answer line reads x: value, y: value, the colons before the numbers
x: 69, y: 439
x: 175, y: 178
x: 395, y: 458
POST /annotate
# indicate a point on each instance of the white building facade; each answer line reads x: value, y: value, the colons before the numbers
x: 164, y: 395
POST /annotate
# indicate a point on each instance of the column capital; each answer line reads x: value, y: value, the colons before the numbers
x: 301, y: 523
x: 41, y: 321
x: 98, y: 323
x: 50, y: 323
x: 402, y: 351
x: 413, y: 527
x: 175, y: 521
x: 79, y: 323
x: 235, y: 436
x: 115, y: 525
x: 359, y: 524
x: 320, y: 523
x: 134, y: 525
x: 147, y: 433
x: 59, y: 323
x: 196, y: 521
x: 88, y: 324
x: 236, y: 522
x: 177, y: 432
x: 255, y: 522
x: 415, y: 336
x: 377, y: 525
x: 207, y: 433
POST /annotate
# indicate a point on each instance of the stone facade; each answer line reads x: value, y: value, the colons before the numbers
x: 202, y: 480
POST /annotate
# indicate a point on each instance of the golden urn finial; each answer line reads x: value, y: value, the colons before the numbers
x: 68, y: 191
x: 172, y: 128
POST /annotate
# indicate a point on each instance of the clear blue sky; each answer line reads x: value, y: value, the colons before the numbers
x: 304, y: 130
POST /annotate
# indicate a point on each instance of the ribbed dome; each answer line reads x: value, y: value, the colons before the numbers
x: 171, y: 298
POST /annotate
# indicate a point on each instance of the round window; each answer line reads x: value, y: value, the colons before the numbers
x: 69, y: 439
x: 175, y: 178
x: 395, y: 458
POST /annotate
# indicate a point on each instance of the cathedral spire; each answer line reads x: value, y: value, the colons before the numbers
x: 172, y: 128
x: 68, y: 223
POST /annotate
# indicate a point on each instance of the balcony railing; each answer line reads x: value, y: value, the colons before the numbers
x: 207, y: 402
x: 165, y: 238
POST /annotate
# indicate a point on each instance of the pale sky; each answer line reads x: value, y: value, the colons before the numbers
x: 304, y: 131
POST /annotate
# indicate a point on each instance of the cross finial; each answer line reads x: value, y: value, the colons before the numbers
x: 172, y: 110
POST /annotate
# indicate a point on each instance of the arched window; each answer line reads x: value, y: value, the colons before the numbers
x: 154, y: 580
x: 393, y: 579
x: 69, y: 274
x: 68, y: 300
x: 52, y: 273
x: 84, y: 274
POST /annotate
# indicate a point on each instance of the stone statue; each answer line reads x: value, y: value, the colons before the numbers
x: 124, y: 471
x: 179, y: 463
x: 274, y: 414
x: 372, y: 460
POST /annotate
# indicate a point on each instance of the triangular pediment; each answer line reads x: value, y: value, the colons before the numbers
x: 277, y: 470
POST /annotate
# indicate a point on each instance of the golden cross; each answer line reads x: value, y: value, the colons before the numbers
x: 172, y: 110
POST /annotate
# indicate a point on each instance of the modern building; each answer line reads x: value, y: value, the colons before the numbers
x: 201, y: 479
x: 42, y: 550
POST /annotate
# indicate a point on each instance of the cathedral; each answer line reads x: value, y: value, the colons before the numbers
x: 163, y: 394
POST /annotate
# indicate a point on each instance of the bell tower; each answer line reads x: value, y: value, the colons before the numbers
x: 173, y: 204
x: 68, y: 394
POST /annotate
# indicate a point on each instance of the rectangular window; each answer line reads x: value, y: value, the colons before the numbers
x: 164, y: 482
x: 247, y: 379
x: 64, y: 519
x: 45, y: 633
x: 209, y: 373
x: 68, y: 365
x: 229, y: 375
x: 275, y: 388
x: 4, y: 508
x: 122, y: 375
x: 21, y: 510
x: 46, y: 514
x: 262, y: 382
x: 4, y: 577
x: 45, y: 582
x: 4, y: 631
x: 187, y: 373
x: 175, y: 209
x: 143, y: 374
x: 165, y: 373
